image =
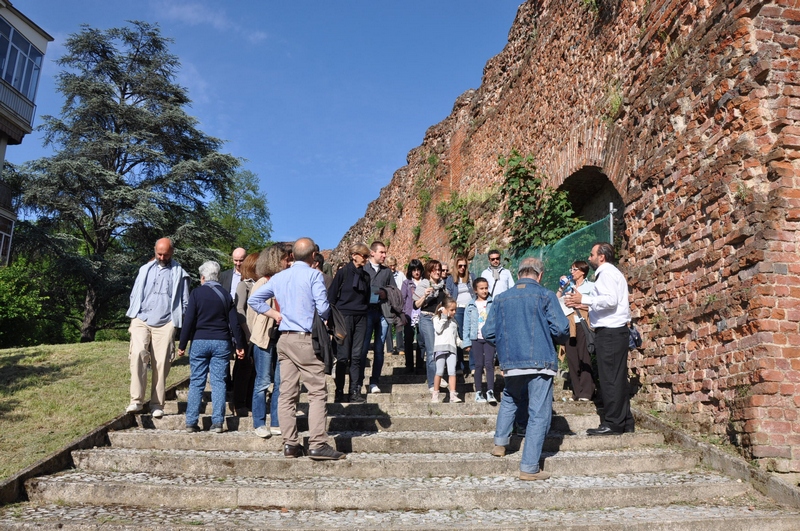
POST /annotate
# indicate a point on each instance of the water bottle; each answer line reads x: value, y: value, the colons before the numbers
x: 566, y: 283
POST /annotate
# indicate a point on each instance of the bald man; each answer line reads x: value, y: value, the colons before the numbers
x: 230, y: 278
x: 158, y: 300
x: 299, y: 290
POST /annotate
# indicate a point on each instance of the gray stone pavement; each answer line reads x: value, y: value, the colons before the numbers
x: 410, y: 465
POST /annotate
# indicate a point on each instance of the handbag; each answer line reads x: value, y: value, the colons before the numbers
x: 635, y: 339
x: 588, y: 333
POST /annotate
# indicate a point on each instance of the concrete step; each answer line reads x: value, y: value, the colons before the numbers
x: 376, y: 465
x: 421, y: 493
x: 340, y: 423
x: 372, y: 441
x: 578, y: 420
x: 439, y: 419
x: 739, y: 515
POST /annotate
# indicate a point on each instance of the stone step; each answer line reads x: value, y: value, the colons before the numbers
x: 740, y: 515
x: 341, y: 423
x: 421, y: 493
x: 439, y: 419
x: 578, y: 421
x: 376, y: 465
x: 379, y: 442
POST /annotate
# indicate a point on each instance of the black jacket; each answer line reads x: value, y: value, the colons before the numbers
x: 349, y: 291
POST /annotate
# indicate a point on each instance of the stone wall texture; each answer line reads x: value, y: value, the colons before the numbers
x: 690, y: 110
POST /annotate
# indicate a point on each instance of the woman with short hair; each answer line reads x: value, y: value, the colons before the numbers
x: 208, y: 323
x: 428, y: 294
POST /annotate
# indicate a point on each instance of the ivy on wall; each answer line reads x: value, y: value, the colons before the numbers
x: 536, y: 215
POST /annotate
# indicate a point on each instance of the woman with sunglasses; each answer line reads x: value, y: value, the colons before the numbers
x: 459, y: 286
x: 429, y: 294
x: 411, y: 329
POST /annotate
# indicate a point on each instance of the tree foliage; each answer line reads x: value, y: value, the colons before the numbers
x: 243, y: 214
x: 459, y: 225
x: 130, y: 166
x: 536, y: 215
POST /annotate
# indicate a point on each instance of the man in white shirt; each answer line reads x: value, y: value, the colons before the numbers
x: 498, y: 277
x: 609, y: 313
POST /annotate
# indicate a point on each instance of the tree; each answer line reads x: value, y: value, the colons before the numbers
x: 130, y: 165
x: 243, y: 214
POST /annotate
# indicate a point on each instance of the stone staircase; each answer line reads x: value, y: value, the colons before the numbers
x: 411, y: 464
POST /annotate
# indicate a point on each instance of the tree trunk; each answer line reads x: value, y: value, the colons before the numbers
x: 89, y: 324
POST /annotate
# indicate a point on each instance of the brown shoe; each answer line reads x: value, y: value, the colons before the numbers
x: 293, y: 450
x: 499, y: 451
x: 538, y: 476
x: 325, y: 453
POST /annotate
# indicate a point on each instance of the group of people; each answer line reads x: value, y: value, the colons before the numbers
x: 269, y: 308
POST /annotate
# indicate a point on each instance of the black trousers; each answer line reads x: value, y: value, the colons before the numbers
x: 579, y: 362
x: 409, y: 332
x: 348, y: 354
x: 611, y: 349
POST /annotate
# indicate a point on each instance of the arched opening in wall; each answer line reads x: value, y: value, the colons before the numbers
x: 590, y: 192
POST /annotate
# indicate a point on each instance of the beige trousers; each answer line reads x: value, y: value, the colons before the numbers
x: 298, y: 362
x: 154, y: 345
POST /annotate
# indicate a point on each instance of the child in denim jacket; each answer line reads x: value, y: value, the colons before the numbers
x: 481, y: 351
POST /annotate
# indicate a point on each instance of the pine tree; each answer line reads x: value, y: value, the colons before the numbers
x: 130, y: 165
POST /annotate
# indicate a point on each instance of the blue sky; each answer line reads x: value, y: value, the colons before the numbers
x: 323, y: 99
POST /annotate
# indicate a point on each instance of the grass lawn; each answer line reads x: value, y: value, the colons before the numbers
x: 52, y: 394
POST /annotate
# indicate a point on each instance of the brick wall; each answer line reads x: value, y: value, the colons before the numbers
x: 703, y: 150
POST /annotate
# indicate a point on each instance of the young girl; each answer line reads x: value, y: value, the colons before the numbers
x: 481, y: 351
x: 446, y: 344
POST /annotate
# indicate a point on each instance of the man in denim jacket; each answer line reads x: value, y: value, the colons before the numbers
x: 524, y: 323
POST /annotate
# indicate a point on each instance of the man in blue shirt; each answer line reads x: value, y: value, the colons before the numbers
x: 299, y: 291
x: 524, y: 323
x: 157, y: 303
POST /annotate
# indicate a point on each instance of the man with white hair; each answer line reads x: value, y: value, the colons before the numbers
x: 157, y: 303
x: 524, y: 323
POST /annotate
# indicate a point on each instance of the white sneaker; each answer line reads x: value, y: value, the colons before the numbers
x: 443, y: 384
x: 264, y: 432
x: 434, y: 397
x: 157, y: 413
x: 374, y: 389
x: 133, y: 408
x: 454, y: 398
x: 479, y: 398
x: 490, y: 397
x: 275, y: 430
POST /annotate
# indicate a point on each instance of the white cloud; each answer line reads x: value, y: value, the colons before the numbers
x: 190, y: 77
x: 195, y: 13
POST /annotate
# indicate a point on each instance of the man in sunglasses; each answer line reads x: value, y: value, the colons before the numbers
x: 498, y: 277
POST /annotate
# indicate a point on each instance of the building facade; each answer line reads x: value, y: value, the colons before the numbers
x: 22, y: 48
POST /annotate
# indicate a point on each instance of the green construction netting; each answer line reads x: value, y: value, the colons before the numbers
x: 556, y: 257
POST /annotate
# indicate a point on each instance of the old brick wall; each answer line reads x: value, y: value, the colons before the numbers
x: 690, y: 110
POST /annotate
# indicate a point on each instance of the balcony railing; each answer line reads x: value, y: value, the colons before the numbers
x: 16, y: 102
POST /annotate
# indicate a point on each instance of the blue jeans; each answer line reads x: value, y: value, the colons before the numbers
x: 262, y: 362
x: 276, y: 390
x: 380, y: 326
x: 207, y: 358
x: 533, y: 392
x: 429, y: 340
